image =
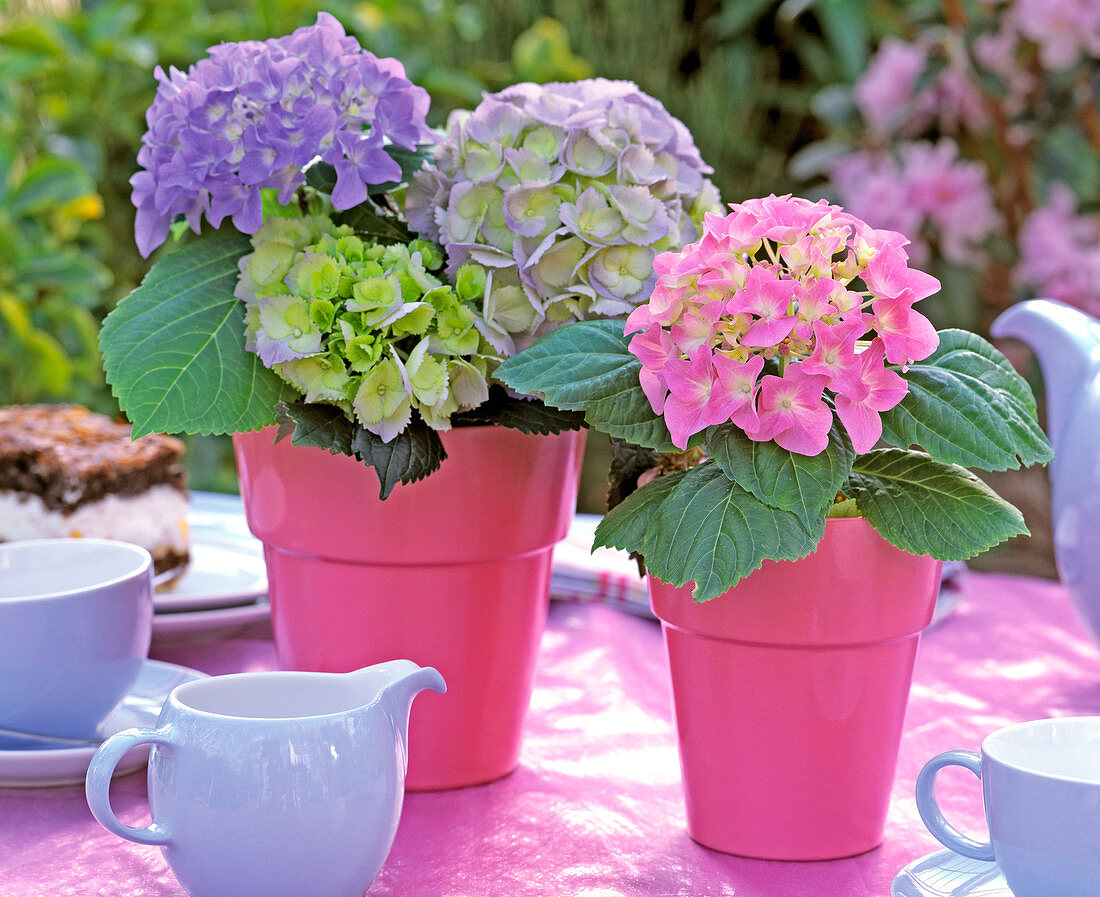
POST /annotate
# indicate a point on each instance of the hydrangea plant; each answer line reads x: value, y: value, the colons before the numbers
x: 783, y: 350
x: 564, y: 194
x: 318, y: 309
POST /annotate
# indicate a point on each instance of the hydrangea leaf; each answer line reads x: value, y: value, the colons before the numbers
x: 967, y: 405
x: 628, y: 415
x: 374, y: 225
x: 316, y: 425
x: 804, y: 484
x: 411, y: 455
x: 587, y: 366
x: 173, y: 350
x: 700, y: 526
x: 628, y: 462
x: 712, y: 532
x: 925, y: 506
x: 410, y: 160
x: 626, y: 524
x: 574, y: 366
x: 525, y: 415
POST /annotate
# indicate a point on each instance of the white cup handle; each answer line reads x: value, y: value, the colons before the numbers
x: 930, y: 812
x: 97, y: 785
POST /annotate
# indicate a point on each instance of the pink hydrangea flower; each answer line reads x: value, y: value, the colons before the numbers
x: 782, y: 310
x: 885, y: 389
x: 792, y: 412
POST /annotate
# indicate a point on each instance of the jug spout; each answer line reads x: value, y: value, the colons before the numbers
x: 400, y: 681
x: 1067, y: 343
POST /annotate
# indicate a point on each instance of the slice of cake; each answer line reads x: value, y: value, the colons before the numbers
x: 66, y: 471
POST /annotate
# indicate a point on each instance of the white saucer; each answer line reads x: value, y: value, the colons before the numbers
x: 946, y: 874
x: 222, y: 573
x: 217, y: 622
x: 34, y: 767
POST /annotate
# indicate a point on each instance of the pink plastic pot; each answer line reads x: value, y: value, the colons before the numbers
x: 451, y: 572
x: 790, y: 693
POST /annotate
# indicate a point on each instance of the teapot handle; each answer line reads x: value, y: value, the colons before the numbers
x: 97, y: 785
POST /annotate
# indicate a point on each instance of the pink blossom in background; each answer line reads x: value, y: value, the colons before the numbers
x: 925, y: 189
x: 953, y: 194
x: 891, y: 104
x: 1060, y: 252
x: 778, y: 304
x: 884, y: 92
x: 954, y: 98
x: 1064, y: 30
x: 999, y: 52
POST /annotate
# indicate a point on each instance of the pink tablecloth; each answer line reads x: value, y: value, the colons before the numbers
x: 595, y: 809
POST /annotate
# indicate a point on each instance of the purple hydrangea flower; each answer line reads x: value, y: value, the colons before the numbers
x: 564, y: 193
x: 253, y: 115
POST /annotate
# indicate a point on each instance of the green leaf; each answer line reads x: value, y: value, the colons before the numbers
x: 316, y: 426
x: 846, y: 27
x: 574, y: 366
x: 587, y: 366
x: 321, y: 177
x: 411, y: 161
x: 735, y: 18
x: 628, y: 462
x: 925, y: 506
x: 708, y: 530
x: 78, y: 273
x: 412, y: 455
x: 525, y: 415
x: 50, y: 182
x: 625, y: 525
x: 374, y: 225
x: 173, y: 350
x: 628, y: 415
x: 803, y: 484
x: 967, y: 405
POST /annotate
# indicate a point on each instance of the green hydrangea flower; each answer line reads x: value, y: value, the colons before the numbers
x: 371, y: 328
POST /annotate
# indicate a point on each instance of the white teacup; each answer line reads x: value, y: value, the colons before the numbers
x: 1041, y: 784
x: 76, y: 619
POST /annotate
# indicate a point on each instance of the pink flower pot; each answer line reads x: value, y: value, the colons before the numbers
x: 452, y: 571
x: 790, y: 693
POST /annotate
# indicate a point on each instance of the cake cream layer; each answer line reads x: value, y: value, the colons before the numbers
x: 155, y: 519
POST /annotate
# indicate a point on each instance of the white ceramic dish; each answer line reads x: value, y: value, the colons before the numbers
x: 946, y: 874
x: 218, y: 622
x: 34, y: 766
x: 222, y: 573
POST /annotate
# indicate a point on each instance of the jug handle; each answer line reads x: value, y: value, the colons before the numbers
x: 97, y: 785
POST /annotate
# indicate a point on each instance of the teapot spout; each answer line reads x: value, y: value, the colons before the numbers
x: 1067, y: 343
x: 404, y: 680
